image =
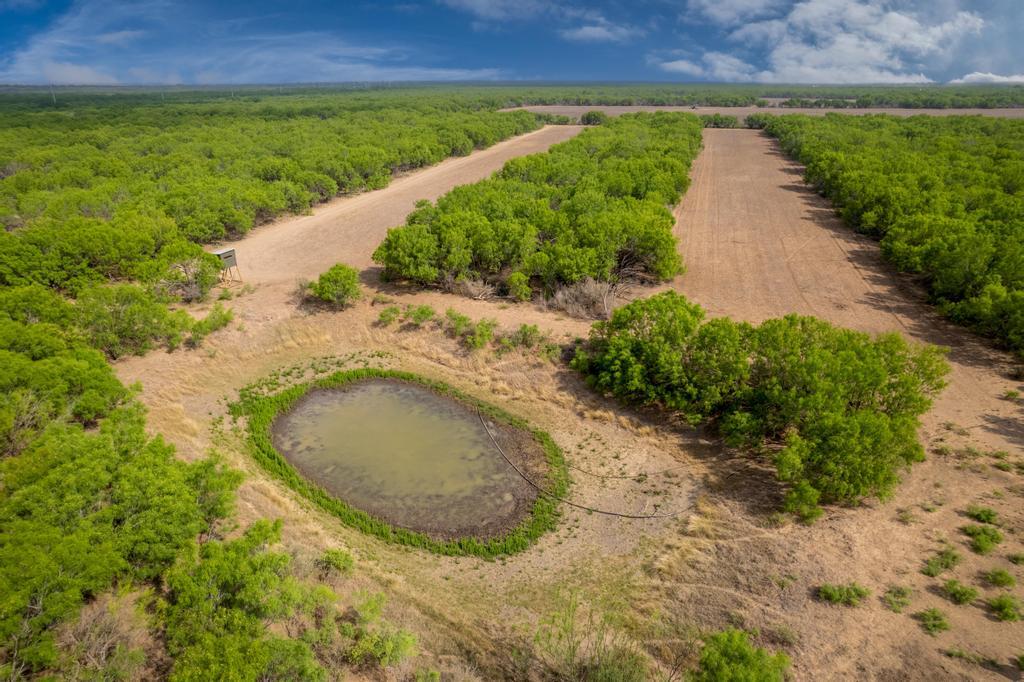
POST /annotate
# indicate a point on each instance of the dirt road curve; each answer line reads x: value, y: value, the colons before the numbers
x: 741, y: 112
x: 349, y: 228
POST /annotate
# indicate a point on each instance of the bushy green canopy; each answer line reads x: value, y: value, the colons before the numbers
x: 842, y: 406
x: 595, y: 206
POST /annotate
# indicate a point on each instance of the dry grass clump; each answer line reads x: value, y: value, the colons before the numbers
x: 470, y: 288
x: 587, y: 299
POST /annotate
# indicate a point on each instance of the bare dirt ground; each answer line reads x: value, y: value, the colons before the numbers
x: 742, y: 112
x: 757, y: 244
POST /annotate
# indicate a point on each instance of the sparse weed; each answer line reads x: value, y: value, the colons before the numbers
x: 1005, y: 607
x: 897, y: 598
x: 481, y: 334
x: 982, y: 514
x: 983, y: 538
x: 958, y: 593
x: 1017, y: 559
x: 943, y: 560
x: 847, y: 595
x: 388, y: 316
x: 933, y: 621
x: 419, y: 315
x: 998, y: 577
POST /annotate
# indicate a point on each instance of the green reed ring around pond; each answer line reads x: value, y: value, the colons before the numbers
x: 409, y: 460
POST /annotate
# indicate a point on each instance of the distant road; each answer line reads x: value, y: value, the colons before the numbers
x: 742, y: 112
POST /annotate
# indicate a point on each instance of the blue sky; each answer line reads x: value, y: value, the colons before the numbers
x: 256, y: 41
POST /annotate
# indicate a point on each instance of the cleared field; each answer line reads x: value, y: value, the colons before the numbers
x: 741, y: 112
x: 757, y: 243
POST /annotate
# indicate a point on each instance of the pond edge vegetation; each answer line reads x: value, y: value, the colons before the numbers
x: 262, y: 408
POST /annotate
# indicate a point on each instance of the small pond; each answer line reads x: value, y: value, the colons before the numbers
x: 408, y: 455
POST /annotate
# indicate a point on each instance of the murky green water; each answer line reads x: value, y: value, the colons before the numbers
x: 402, y: 453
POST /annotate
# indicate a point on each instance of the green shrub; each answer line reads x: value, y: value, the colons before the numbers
x: 943, y: 560
x: 847, y: 595
x: 519, y: 286
x: 526, y: 336
x: 458, y: 324
x: 594, y: 117
x: 1017, y: 559
x: 959, y: 593
x: 897, y: 598
x: 481, y: 334
x: 419, y: 315
x: 384, y: 647
x: 218, y: 318
x: 933, y: 621
x: 339, y: 286
x: 983, y: 538
x: 335, y: 560
x: 845, y: 406
x: 1005, y: 607
x: 388, y: 316
x: 982, y: 514
x: 124, y: 319
x: 1000, y: 578
x: 729, y: 655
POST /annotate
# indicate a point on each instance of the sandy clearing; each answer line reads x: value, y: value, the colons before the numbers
x: 742, y: 112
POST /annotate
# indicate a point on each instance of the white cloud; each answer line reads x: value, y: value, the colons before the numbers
x: 119, y: 37
x: 63, y: 73
x: 985, y: 77
x: 499, y: 10
x: 829, y: 41
x: 683, y: 66
x: 731, y: 12
x: 601, y: 31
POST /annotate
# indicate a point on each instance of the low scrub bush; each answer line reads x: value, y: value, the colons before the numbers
x: 943, y: 560
x: 338, y: 286
x: 982, y: 514
x: 933, y: 621
x: 335, y: 561
x: 388, y: 316
x: 999, y: 577
x: 729, y: 655
x: 897, y: 598
x: 958, y: 593
x: 844, y: 406
x: 480, y: 334
x: 847, y: 595
x: 419, y: 315
x: 983, y: 538
x: 1005, y: 607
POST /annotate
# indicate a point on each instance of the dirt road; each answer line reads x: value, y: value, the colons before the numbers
x: 758, y: 243
x: 742, y: 112
x: 348, y: 229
